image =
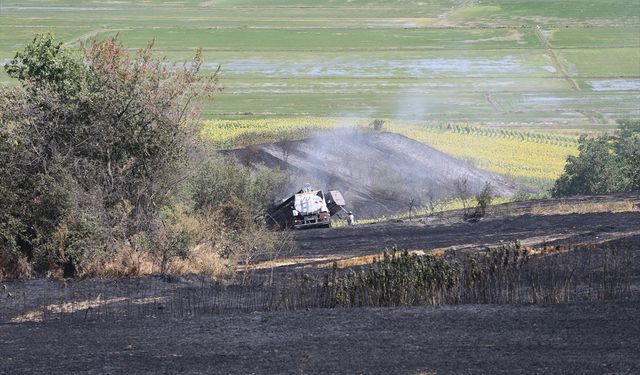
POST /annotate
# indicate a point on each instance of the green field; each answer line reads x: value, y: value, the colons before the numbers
x: 479, y: 61
x: 548, y: 66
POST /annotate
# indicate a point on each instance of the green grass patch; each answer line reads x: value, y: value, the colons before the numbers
x: 432, y: 60
x: 610, y: 62
x: 328, y: 39
x: 606, y: 37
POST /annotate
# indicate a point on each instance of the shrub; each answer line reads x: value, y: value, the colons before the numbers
x: 93, y: 146
x: 220, y: 180
x: 483, y: 200
x: 377, y: 125
x: 606, y: 164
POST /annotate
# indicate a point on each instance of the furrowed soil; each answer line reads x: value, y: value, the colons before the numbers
x: 135, y: 326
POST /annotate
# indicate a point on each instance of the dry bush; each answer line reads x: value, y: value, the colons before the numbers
x: 125, y: 261
x: 128, y: 261
x: 20, y: 268
x: 231, y: 234
x: 211, y: 243
x: 203, y: 260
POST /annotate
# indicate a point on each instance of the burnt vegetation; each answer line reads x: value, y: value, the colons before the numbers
x: 511, y: 274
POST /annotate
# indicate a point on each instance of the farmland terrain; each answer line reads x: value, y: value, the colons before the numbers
x: 114, y: 326
x: 567, y: 68
x: 569, y: 65
x: 396, y: 104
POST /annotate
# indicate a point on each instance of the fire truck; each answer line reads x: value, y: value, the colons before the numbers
x: 308, y: 208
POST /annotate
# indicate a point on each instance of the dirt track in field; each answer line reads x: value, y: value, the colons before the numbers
x: 451, y: 232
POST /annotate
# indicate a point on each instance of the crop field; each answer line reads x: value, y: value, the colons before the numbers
x: 543, y: 67
x: 487, y: 61
x: 531, y: 157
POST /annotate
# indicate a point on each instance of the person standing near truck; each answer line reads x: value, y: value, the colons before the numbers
x: 350, y: 218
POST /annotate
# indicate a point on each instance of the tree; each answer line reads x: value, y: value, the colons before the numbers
x: 219, y: 181
x: 628, y: 151
x: 483, y: 200
x: 48, y: 62
x: 605, y: 164
x: 462, y: 191
x: 377, y: 124
x: 98, y: 138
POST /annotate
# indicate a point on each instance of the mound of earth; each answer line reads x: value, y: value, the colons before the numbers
x: 378, y: 173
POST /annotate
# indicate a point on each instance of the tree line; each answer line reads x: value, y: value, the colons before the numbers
x: 100, y: 152
x: 606, y: 164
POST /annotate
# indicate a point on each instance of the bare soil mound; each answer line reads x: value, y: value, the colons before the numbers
x: 378, y: 173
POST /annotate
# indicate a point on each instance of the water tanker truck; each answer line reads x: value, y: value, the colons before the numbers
x: 307, y: 208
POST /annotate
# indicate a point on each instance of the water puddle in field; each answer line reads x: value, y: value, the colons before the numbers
x: 614, y: 85
x: 545, y: 100
x: 58, y: 8
x: 377, y: 68
x: 414, y: 88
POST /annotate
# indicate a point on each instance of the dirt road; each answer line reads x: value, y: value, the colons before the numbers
x: 341, y: 243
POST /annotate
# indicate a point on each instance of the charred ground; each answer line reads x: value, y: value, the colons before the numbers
x: 582, y: 336
x: 379, y: 173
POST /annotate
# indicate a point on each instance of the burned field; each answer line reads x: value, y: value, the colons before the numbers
x: 570, y: 338
x: 378, y: 173
x: 452, y: 233
x: 585, y: 320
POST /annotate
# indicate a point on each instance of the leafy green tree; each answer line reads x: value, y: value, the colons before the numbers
x: 47, y: 62
x: 628, y: 152
x: 605, y: 164
x: 219, y: 181
x: 95, y: 138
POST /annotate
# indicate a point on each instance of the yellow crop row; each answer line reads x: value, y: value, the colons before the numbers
x: 523, y: 159
x: 226, y: 134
